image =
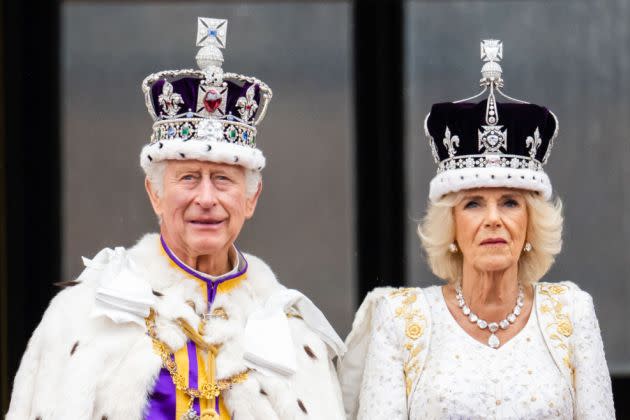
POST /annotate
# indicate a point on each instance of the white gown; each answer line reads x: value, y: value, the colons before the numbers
x: 466, y: 379
x: 409, y: 360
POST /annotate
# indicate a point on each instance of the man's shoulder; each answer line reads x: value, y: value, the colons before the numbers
x: 148, y: 246
x: 261, y: 278
x: 74, y: 304
x: 74, y: 297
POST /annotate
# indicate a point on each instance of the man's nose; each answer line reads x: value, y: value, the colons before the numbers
x: 207, y: 194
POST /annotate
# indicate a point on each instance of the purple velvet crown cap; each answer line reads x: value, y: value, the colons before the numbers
x: 189, y: 88
x: 465, y: 120
x: 472, y: 153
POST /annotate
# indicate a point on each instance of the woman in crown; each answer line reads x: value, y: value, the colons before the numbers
x: 494, y: 341
x: 184, y: 325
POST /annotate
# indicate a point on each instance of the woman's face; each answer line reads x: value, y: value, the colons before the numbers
x: 491, y: 227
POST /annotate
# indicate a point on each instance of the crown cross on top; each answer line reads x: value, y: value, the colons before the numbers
x: 211, y: 32
x: 491, y: 53
x: 491, y: 50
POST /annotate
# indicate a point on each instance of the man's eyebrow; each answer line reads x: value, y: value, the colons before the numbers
x: 180, y: 171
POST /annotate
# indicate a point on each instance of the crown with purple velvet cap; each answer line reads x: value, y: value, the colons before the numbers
x: 490, y: 143
x: 205, y: 114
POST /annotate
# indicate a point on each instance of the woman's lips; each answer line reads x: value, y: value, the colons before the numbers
x: 494, y: 241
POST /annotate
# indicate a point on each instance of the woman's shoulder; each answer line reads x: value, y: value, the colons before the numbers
x: 392, y: 294
x: 396, y: 320
x: 390, y: 299
x: 565, y: 297
x: 567, y: 289
x: 389, y: 305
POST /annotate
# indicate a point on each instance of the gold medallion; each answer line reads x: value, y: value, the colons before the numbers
x: 209, y: 414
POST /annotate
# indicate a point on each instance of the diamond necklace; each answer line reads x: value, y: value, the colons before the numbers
x: 493, y: 341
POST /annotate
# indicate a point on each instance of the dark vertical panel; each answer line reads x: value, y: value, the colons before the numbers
x: 4, y: 391
x: 621, y: 390
x: 379, y: 116
x: 31, y: 145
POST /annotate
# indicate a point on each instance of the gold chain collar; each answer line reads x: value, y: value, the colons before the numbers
x: 206, y: 391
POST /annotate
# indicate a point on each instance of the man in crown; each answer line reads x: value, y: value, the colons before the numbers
x: 184, y: 325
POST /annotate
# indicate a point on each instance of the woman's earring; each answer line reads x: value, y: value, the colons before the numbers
x: 528, y: 247
x: 453, y: 248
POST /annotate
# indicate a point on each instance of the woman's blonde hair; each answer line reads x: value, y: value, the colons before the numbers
x: 544, y: 233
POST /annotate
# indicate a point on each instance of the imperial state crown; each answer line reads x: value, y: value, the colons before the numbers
x: 205, y: 114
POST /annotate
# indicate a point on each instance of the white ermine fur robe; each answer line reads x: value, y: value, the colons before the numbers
x: 80, y: 365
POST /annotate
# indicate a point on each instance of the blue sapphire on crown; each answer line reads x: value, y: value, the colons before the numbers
x: 211, y: 32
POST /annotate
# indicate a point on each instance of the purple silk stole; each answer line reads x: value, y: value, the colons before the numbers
x: 163, y: 402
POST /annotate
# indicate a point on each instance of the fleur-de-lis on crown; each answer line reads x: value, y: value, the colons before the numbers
x: 533, y: 143
x: 246, y: 105
x: 169, y: 100
x: 450, y: 142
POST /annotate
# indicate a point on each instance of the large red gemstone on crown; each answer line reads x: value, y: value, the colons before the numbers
x: 212, y: 101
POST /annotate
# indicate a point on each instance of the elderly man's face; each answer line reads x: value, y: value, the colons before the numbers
x: 491, y: 227
x: 203, y: 206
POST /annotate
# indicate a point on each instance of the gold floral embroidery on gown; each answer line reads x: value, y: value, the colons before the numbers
x: 552, y: 305
x: 415, y: 326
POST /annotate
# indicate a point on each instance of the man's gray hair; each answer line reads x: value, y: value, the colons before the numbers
x: 155, y: 174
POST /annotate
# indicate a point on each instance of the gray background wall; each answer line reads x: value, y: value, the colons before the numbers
x: 303, y: 226
x: 574, y: 57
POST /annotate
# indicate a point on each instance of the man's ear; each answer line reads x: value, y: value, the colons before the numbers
x: 153, y: 197
x: 250, y: 205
